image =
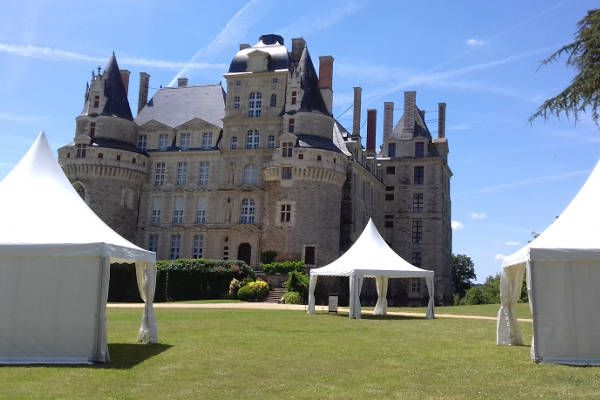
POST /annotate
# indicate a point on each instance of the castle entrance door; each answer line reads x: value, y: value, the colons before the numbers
x: 245, y: 252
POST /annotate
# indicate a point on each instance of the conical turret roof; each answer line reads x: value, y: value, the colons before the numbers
x: 114, y: 90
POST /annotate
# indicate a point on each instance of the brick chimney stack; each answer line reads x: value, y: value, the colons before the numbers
x: 125, y: 78
x: 371, y: 131
x: 441, y: 120
x: 326, y: 80
x: 356, y: 115
x: 144, y: 84
x: 410, y: 100
x: 182, y: 82
x: 388, y: 120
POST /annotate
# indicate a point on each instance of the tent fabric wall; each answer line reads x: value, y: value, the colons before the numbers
x: 381, y: 283
x: 55, y: 256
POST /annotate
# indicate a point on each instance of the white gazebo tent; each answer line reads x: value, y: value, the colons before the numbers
x: 563, y: 274
x: 55, y: 256
x: 370, y: 257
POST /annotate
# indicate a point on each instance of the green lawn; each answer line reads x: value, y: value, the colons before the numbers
x: 247, y: 354
x: 487, y: 310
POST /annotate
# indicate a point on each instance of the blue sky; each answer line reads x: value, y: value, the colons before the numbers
x: 481, y: 58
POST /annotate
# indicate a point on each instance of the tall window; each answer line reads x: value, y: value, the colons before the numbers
x: 96, y: 101
x: 286, y: 173
x: 250, y: 175
x: 417, y: 231
x: 389, y: 195
x: 198, y: 244
x: 294, y: 96
x: 291, y: 124
x: 203, y: 173
x: 415, y: 285
x: 236, y: 102
x: 185, y: 140
x: 92, y: 129
x: 159, y: 173
x: 81, y: 149
x: 285, y: 214
x: 155, y: 217
x: 181, y: 173
x: 419, y: 149
x: 419, y: 175
x: 417, y: 258
x: 142, y: 142
x: 200, y: 211
x: 254, y: 104
x: 178, y: 210
x: 233, y: 143
x: 418, y: 202
x: 163, y: 141
x: 207, y: 140
x: 252, y: 139
x: 389, y: 221
x: 391, y: 149
x: 309, y: 255
x: 273, y: 100
x: 247, y: 211
x: 286, y: 149
x: 175, y: 246
x: 271, y: 142
x: 153, y: 242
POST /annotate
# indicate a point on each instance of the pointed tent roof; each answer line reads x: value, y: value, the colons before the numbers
x: 574, y: 234
x: 42, y: 214
x: 114, y: 90
x: 371, y: 256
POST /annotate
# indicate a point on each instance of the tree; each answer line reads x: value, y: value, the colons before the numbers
x: 463, y: 271
x: 584, y: 91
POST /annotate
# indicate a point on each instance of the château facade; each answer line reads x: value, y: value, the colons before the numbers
x: 201, y: 172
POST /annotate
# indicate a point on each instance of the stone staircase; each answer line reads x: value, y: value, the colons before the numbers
x: 275, y: 295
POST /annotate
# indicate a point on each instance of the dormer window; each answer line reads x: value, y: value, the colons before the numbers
x: 419, y: 149
x: 96, y: 101
x: 254, y: 104
x: 92, y: 129
x: 291, y: 124
x: 294, y: 96
x: 286, y: 149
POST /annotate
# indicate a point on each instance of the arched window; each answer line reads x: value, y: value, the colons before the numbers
x: 273, y: 100
x: 250, y: 175
x: 252, y: 139
x: 247, y: 211
x: 254, y: 104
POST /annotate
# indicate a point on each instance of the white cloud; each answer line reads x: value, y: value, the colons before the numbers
x: 472, y: 42
x: 305, y: 26
x: 478, y: 215
x: 457, y: 225
x: 511, y: 243
x: 499, y: 257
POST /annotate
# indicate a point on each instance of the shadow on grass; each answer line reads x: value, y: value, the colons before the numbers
x: 379, y: 317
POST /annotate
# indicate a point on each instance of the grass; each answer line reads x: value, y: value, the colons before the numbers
x: 486, y: 310
x: 248, y: 354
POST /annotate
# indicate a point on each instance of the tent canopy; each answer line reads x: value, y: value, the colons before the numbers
x: 55, y: 255
x: 370, y: 257
x: 560, y: 264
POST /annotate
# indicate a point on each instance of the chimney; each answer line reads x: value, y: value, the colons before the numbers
x: 143, y: 96
x: 125, y: 79
x: 388, y: 120
x: 182, y: 82
x: 244, y: 46
x: 441, y: 120
x: 410, y: 99
x: 356, y: 116
x: 371, y: 131
x: 298, y: 45
x: 326, y: 80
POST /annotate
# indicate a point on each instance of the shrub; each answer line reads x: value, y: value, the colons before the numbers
x: 474, y: 296
x: 297, y: 282
x: 283, y: 267
x: 292, y: 298
x: 254, y: 291
x: 189, y: 279
x: 234, y: 286
x: 268, y: 256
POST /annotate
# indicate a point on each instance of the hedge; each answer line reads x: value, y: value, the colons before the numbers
x: 184, y: 279
x: 283, y: 267
x: 254, y: 291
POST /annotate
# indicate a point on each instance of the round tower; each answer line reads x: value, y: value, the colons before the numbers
x: 104, y: 163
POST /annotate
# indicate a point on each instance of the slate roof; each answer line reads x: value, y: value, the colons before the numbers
x: 115, y: 144
x: 421, y: 128
x: 271, y: 44
x: 309, y: 82
x: 317, y: 142
x: 114, y: 90
x: 176, y: 106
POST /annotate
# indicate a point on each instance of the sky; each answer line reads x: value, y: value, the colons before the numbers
x: 511, y: 178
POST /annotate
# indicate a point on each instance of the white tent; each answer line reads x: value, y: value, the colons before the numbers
x: 370, y: 257
x: 55, y: 256
x: 563, y: 274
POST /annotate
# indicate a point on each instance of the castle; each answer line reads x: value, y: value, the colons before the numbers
x: 201, y: 172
